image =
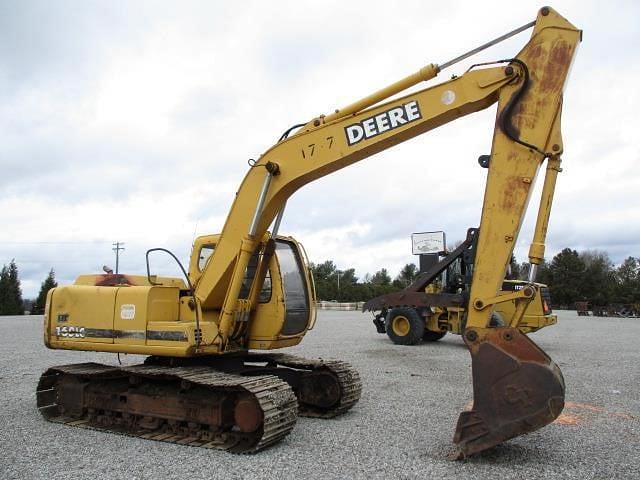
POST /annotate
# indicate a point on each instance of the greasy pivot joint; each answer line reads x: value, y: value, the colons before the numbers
x: 528, y: 292
x: 273, y: 168
x: 471, y: 335
x: 484, y: 160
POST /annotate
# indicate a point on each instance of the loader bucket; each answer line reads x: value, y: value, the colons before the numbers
x: 517, y: 389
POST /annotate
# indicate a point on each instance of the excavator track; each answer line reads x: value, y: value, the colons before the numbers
x: 347, y: 378
x: 324, y: 388
x: 188, y: 405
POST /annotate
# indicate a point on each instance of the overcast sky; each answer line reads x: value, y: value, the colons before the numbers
x: 133, y: 122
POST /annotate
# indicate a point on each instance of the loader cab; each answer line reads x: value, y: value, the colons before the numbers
x: 284, y: 308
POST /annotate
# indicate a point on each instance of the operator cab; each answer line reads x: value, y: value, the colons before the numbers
x: 287, y: 282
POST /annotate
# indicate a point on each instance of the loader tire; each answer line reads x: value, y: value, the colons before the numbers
x: 431, y: 336
x: 404, y: 326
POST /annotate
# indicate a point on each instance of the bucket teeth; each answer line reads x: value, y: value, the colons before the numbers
x: 517, y: 389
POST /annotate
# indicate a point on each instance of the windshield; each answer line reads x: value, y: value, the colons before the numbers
x: 295, y: 289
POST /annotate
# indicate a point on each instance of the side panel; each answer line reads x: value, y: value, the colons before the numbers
x: 130, y: 316
x: 81, y: 314
x: 141, y: 320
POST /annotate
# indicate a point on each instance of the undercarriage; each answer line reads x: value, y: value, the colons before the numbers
x: 241, y: 404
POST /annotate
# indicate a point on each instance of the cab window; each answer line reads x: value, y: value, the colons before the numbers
x: 205, y: 253
x: 247, y: 282
x: 295, y: 289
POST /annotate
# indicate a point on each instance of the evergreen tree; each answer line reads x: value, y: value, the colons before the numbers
x: 598, y: 281
x: 4, y: 290
x: 16, y: 291
x: 324, y: 275
x: 48, y: 284
x: 348, y: 277
x: 324, y: 270
x: 543, y: 274
x: 566, y: 276
x: 407, y: 275
x: 627, y: 277
x: 381, y: 277
x: 10, y: 291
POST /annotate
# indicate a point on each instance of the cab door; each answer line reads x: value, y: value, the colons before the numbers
x: 285, y: 307
x: 295, y: 288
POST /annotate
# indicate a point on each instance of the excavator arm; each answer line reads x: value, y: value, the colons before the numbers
x: 517, y: 388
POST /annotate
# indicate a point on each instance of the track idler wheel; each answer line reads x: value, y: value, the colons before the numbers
x: 517, y: 389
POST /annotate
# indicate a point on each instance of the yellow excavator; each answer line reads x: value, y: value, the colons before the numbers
x: 249, y: 288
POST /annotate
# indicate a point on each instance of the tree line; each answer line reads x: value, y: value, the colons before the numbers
x: 344, y: 286
x: 572, y: 277
x: 589, y: 276
x: 11, y: 301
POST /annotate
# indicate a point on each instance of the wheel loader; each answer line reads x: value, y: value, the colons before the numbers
x: 210, y: 380
x: 434, y: 304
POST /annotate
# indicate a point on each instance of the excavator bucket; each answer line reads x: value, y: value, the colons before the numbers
x: 517, y: 389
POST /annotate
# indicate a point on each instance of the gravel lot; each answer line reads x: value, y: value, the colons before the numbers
x: 401, y: 428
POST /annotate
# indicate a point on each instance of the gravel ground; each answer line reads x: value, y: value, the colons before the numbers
x: 401, y: 428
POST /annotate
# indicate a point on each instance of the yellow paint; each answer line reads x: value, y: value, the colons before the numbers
x: 400, y: 325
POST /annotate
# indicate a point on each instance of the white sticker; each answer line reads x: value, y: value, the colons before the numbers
x: 127, y: 311
x: 448, y: 97
x: 70, y: 332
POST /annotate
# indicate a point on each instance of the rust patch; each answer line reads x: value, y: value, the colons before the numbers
x: 568, y: 419
x: 535, y: 57
x: 584, y: 406
x: 514, y: 190
x: 112, y: 280
x: 556, y: 67
x: 584, y: 412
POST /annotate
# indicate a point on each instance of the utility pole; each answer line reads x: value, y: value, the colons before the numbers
x: 116, y: 248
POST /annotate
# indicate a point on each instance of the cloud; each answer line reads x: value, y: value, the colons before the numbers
x: 133, y: 122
